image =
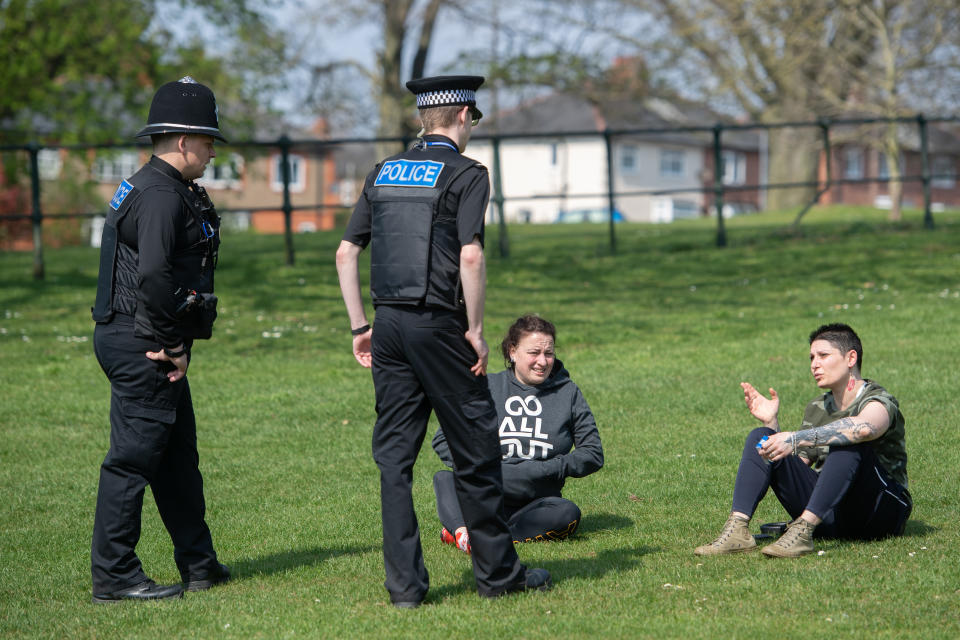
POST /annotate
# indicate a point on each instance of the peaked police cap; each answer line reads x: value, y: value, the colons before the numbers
x: 446, y: 91
x: 184, y: 106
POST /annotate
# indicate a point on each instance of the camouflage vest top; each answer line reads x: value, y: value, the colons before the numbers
x: 890, y: 448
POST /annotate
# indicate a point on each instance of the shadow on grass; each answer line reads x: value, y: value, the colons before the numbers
x: 918, y: 528
x: 592, y: 565
x: 277, y: 562
x: 601, y: 522
x: 913, y: 529
x: 596, y: 565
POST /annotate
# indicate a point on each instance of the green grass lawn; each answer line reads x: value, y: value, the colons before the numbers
x: 658, y: 336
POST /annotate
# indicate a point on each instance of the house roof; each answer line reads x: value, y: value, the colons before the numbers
x: 563, y: 113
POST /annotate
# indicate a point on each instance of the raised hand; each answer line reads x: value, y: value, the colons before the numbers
x: 762, y: 408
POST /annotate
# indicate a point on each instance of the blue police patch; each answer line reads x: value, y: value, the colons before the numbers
x: 409, y: 173
x: 122, y: 192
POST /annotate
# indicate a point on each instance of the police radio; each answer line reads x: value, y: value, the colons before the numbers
x: 209, y: 223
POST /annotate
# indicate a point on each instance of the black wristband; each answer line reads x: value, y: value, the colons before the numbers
x: 359, y: 331
x: 175, y: 354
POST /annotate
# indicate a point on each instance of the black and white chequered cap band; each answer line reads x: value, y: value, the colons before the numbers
x: 446, y: 97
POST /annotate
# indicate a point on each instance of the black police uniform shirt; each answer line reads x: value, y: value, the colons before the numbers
x: 159, y: 228
x: 467, y: 195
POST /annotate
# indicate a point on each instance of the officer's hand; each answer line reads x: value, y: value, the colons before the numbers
x: 361, y: 348
x: 483, y: 351
x: 180, y: 363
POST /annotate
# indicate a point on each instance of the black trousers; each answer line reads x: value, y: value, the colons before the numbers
x: 153, y: 440
x: 852, y: 493
x: 421, y: 362
x: 541, y: 519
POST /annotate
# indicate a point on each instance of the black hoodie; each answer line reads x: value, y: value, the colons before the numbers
x: 539, y: 425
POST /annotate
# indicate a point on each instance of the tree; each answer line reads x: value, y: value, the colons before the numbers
x: 86, y: 71
x: 770, y: 59
x: 330, y: 82
x: 794, y: 61
x: 910, y: 46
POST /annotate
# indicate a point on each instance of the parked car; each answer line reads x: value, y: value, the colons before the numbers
x: 588, y: 215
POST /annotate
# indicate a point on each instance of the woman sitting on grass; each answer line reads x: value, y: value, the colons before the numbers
x: 842, y: 475
x: 542, y: 415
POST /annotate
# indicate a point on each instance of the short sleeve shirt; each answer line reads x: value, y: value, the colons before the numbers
x: 890, y: 448
x: 468, y: 195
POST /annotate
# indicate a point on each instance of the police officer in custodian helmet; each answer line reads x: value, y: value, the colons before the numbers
x: 154, y: 298
x: 422, y: 213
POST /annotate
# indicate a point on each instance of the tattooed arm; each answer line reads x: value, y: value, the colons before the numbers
x: 872, y: 422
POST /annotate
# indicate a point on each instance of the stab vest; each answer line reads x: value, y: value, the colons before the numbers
x: 193, y: 264
x: 414, y: 247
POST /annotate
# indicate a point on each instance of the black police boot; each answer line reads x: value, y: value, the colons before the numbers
x: 538, y: 580
x: 534, y: 580
x: 203, y: 582
x: 146, y: 590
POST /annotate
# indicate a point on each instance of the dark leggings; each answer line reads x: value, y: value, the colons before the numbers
x: 852, y: 493
x: 547, y: 518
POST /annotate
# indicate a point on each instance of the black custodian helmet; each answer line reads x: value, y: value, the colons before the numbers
x: 184, y: 106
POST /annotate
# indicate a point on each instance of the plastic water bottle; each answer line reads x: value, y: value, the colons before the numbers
x: 760, y: 444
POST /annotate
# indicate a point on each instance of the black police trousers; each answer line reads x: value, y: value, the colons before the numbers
x: 541, y: 519
x: 153, y: 440
x: 421, y: 361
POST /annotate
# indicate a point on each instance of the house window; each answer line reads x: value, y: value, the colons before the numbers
x: 115, y: 167
x: 734, y: 167
x: 853, y: 163
x: 883, y: 171
x: 223, y: 173
x: 49, y: 163
x: 671, y: 163
x: 553, y: 154
x: 943, y: 171
x: 629, y: 163
x: 297, y: 173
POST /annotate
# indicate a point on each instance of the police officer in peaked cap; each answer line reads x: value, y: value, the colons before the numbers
x: 422, y: 213
x: 154, y: 298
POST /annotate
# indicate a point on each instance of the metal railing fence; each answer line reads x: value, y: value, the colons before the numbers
x: 718, y: 189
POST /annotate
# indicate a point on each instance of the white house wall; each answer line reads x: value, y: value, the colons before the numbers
x: 647, y: 177
x: 576, y: 172
x: 528, y: 169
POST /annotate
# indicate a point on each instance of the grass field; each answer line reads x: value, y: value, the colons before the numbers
x: 658, y: 336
